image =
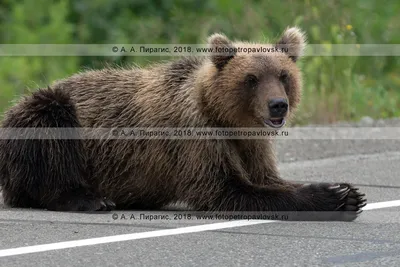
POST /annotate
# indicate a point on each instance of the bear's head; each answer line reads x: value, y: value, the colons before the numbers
x: 253, y: 85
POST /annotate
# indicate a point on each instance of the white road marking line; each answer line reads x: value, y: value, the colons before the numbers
x: 381, y: 205
x: 157, y: 233
x: 126, y: 237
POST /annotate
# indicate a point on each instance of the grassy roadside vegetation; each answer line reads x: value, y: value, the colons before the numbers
x: 336, y: 88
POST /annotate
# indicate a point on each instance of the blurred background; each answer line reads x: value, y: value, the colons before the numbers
x: 336, y: 88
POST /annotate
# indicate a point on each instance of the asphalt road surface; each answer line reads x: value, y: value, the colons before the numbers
x: 40, y: 238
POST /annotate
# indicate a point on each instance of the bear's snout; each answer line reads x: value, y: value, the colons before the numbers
x: 278, y: 107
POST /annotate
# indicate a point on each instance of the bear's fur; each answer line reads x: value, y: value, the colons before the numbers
x: 220, y: 90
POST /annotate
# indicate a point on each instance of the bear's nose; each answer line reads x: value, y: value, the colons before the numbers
x: 278, y: 107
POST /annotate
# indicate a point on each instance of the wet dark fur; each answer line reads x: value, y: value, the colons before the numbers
x: 239, y: 175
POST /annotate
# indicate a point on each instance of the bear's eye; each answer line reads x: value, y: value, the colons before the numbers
x: 251, y: 81
x: 284, y: 77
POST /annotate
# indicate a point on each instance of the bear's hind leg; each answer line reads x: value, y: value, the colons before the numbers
x: 43, y: 172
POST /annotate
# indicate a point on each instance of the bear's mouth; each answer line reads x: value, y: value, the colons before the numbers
x: 275, y: 122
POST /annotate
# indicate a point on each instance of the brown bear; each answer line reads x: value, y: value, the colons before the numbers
x: 233, y: 89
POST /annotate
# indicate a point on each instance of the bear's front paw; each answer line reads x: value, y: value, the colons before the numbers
x: 354, y: 200
x: 328, y: 197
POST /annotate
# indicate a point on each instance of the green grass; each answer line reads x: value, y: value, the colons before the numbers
x: 335, y: 88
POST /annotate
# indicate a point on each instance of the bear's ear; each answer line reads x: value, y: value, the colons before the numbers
x: 293, y: 42
x: 222, y: 49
